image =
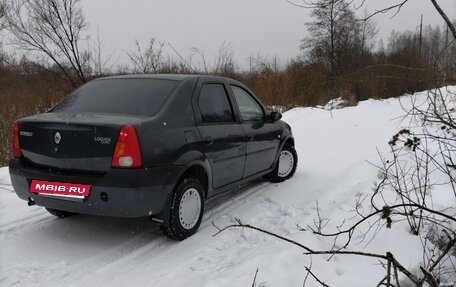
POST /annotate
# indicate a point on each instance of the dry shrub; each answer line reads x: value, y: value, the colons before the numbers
x: 24, y: 91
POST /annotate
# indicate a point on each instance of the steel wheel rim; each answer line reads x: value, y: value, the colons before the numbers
x: 286, y: 162
x: 189, y: 208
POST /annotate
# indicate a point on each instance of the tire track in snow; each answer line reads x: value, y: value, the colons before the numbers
x: 25, y: 223
x: 87, y: 267
x: 128, y: 253
x: 35, y: 219
x: 226, y: 202
x: 132, y: 251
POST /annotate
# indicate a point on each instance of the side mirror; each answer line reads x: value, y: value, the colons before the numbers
x: 275, y: 116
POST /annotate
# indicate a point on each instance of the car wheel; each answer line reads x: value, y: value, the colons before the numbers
x: 286, y: 164
x: 59, y: 213
x: 186, y: 210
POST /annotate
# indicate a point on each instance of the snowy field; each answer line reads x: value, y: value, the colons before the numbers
x: 334, y: 148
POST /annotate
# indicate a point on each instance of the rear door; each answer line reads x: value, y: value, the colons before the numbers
x: 223, y: 137
x: 262, y: 136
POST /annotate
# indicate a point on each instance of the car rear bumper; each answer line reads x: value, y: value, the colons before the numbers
x: 118, y: 193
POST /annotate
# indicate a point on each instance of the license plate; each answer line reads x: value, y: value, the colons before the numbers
x: 60, y: 189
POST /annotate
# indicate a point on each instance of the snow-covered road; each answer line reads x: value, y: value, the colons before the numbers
x: 37, y: 249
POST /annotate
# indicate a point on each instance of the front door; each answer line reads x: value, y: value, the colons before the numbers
x: 262, y: 136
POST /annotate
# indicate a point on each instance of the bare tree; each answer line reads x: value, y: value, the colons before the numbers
x: 53, y: 28
x: 369, y: 31
x: 224, y: 61
x: 395, y: 8
x: 149, y: 59
x: 99, y: 63
x: 334, y: 34
x: 203, y: 64
x: 2, y: 15
x: 447, y: 20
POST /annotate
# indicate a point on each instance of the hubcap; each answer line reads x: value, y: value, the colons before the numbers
x: 189, y: 208
x: 286, y: 162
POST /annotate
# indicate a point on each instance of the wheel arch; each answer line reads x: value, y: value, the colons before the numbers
x: 200, y: 173
x: 289, y: 140
x: 197, y: 165
x: 197, y: 170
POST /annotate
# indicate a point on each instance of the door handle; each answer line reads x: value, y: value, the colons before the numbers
x: 250, y: 137
x: 208, y: 140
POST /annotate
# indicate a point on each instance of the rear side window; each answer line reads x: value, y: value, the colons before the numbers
x: 214, y: 105
x: 138, y: 97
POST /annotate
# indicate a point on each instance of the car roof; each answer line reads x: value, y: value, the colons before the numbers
x: 174, y: 77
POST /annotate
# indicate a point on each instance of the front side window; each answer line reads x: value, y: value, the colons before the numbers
x: 250, y: 110
x: 214, y: 105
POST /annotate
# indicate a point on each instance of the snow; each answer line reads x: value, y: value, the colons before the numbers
x: 337, y: 103
x: 335, y: 148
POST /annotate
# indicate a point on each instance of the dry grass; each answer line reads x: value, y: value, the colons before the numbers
x: 24, y: 93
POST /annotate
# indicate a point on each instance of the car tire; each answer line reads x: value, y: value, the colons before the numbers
x: 186, y: 210
x: 59, y: 213
x: 286, y: 164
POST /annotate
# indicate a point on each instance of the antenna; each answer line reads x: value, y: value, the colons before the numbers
x: 182, y: 58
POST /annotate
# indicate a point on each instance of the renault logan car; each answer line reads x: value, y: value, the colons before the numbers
x: 149, y: 145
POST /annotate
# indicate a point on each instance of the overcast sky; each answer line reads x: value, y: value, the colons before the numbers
x: 253, y: 27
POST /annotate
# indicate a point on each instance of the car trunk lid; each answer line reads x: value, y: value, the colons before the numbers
x: 79, y: 142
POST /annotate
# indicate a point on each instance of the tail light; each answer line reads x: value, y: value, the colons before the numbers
x: 15, y: 147
x: 128, y: 150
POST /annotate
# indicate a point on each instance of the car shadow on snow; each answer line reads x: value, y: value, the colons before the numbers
x: 95, y: 231
x: 79, y: 237
x: 99, y: 230
x: 90, y: 242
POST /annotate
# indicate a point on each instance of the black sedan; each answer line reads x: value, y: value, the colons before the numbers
x: 149, y: 145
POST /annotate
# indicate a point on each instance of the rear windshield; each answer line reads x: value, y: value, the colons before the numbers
x: 138, y: 97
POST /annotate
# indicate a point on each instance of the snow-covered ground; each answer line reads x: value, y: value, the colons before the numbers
x: 334, y: 148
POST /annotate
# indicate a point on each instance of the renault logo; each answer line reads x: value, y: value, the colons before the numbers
x: 57, y: 138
